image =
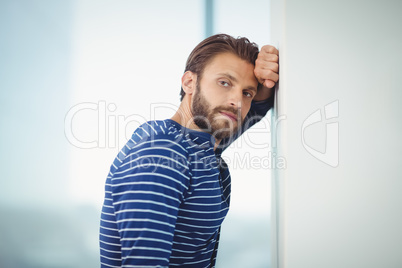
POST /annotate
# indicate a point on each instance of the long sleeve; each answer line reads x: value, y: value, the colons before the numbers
x: 145, y: 193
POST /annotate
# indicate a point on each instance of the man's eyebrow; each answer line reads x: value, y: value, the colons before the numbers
x: 234, y: 79
x: 228, y: 75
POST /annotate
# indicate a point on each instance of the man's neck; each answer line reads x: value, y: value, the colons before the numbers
x: 184, y: 117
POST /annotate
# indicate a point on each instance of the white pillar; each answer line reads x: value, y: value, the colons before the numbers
x: 338, y: 202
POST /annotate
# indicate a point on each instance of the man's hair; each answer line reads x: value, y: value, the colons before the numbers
x: 205, y: 51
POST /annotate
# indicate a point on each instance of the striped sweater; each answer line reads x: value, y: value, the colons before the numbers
x: 166, y: 196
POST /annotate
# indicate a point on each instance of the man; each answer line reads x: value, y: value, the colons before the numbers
x: 168, y: 190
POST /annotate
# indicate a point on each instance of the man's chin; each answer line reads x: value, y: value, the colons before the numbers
x: 224, y: 130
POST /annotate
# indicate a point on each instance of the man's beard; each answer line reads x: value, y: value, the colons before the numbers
x: 205, y: 119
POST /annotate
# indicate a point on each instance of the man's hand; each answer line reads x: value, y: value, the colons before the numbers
x: 266, y: 71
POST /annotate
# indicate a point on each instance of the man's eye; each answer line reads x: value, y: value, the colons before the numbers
x: 224, y: 83
x: 248, y: 94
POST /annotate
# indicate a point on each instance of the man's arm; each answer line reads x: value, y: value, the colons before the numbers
x: 146, y: 191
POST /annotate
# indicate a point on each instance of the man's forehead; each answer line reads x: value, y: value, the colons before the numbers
x: 229, y: 61
x: 226, y: 57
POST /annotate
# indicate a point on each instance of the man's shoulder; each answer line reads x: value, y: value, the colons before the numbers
x: 152, y: 139
x: 156, y: 133
x: 156, y: 130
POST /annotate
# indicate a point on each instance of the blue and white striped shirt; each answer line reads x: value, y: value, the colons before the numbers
x: 166, y: 196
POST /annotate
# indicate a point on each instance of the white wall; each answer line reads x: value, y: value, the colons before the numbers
x: 337, y: 202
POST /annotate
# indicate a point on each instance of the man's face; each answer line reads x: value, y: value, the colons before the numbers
x: 223, y: 96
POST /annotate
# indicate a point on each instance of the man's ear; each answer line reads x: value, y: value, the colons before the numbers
x: 189, y: 82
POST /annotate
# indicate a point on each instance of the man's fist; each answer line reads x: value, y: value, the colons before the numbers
x: 267, y: 67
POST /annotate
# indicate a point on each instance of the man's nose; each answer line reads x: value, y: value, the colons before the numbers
x: 235, y: 99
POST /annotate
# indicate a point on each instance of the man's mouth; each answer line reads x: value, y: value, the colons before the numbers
x: 230, y: 115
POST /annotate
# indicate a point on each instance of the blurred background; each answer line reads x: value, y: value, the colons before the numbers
x: 76, y: 78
